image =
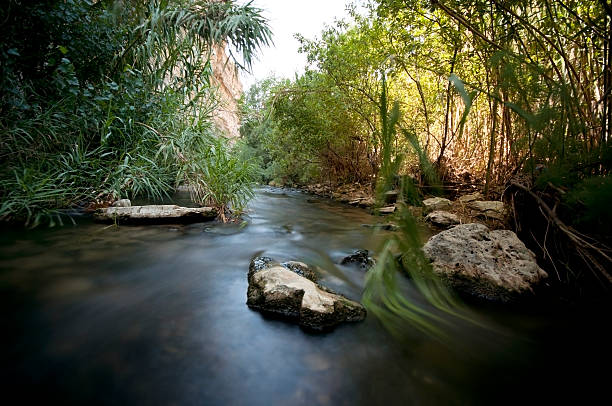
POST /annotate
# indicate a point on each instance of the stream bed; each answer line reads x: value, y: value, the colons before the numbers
x: 93, y: 314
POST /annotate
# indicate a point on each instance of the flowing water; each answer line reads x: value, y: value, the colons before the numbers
x: 93, y: 314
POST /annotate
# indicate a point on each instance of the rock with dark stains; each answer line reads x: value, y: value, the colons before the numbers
x: 301, y: 269
x: 274, y: 288
x: 359, y: 257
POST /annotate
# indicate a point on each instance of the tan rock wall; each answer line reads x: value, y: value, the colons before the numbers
x: 225, y: 78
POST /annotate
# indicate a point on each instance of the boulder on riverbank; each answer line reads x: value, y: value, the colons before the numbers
x: 489, y: 209
x: 490, y: 264
x: 436, y: 203
x: 442, y: 219
x: 155, y: 214
x: 277, y: 289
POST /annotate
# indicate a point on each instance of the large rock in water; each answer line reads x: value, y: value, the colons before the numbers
x: 155, y: 214
x: 274, y: 288
x: 490, y: 264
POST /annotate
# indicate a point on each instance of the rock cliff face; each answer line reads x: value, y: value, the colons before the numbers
x: 225, y: 78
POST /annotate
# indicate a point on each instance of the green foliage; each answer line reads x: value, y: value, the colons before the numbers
x: 221, y: 179
x: 390, y: 164
x: 101, y: 100
x: 258, y: 131
x: 431, y: 308
x: 594, y: 195
x: 467, y: 100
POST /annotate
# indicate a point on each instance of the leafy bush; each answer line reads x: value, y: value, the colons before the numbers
x: 95, y: 97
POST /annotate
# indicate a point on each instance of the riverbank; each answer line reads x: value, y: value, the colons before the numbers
x: 461, y: 210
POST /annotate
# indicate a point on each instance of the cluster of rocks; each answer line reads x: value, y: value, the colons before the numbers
x: 474, y: 259
x: 442, y: 212
x: 354, y: 194
x: 471, y: 258
x: 290, y: 290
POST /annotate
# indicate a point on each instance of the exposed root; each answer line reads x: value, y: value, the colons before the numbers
x: 595, y: 255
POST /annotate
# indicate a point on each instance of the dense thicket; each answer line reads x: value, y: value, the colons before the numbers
x: 513, y: 97
x: 112, y: 98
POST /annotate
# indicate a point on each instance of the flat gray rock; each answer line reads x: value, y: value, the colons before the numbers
x: 387, y: 210
x: 490, y: 264
x: 274, y: 288
x: 470, y: 197
x: 443, y: 219
x: 436, y: 203
x: 155, y: 214
x: 489, y: 208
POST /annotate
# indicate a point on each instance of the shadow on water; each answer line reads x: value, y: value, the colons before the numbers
x: 157, y: 315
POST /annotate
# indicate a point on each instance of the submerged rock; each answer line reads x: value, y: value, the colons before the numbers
x: 489, y: 209
x: 490, y: 264
x: 155, y: 214
x: 436, y: 203
x: 382, y: 226
x: 274, y: 288
x: 122, y: 203
x: 360, y: 257
x: 443, y: 219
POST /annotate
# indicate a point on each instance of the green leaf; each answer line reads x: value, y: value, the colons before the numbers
x: 465, y: 96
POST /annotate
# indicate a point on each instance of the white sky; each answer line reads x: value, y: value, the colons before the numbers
x: 287, y: 17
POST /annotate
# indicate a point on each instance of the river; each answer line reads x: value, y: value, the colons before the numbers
x: 93, y: 314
